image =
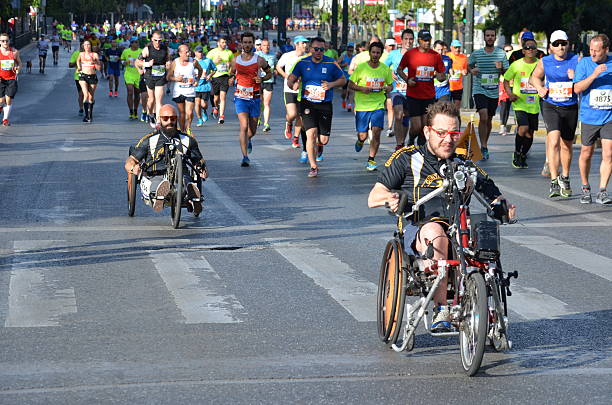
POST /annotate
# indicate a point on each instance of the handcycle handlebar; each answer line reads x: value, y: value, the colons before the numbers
x: 403, y: 201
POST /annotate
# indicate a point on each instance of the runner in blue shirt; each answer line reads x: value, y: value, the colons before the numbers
x: 203, y: 88
x: 268, y: 86
x: 345, y: 61
x: 443, y: 88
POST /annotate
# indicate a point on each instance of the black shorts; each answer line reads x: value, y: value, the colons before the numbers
x: 42, y: 55
x: 317, y: 115
x: 8, y: 88
x: 154, y: 81
x: 204, y: 95
x: 220, y: 84
x: 418, y: 106
x: 524, y: 119
x: 182, y: 99
x: 89, y: 79
x: 590, y: 133
x: 561, y: 118
x: 78, y: 86
x: 483, y: 102
x: 267, y: 86
x: 55, y: 48
x: 291, y: 98
x: 456, y: 95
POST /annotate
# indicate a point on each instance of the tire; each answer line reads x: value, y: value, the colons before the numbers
x: 391, y: 294
x: 473, y: 330
x: 177, y: 185
x: 131, y: 193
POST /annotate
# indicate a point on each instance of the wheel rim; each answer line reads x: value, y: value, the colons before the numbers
x: 470, y: 323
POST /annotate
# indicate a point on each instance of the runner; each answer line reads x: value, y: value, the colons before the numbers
x: 132, y: 78
x: 185, y: 73
x: 458, y: 71
x: 72, y: 64
x: 203, y: 88
x: 318, y: 74
x: 10, y: 63
x: 443, y: 88
x: 155, y: 59
x: 113, y: 54
x: 222, y: 58
x: 593, y: 80
x: 423, y: 64
x: 486, y: 65
x: 398, y: 95
x: 87, y: 64
x: 344, y: 61
x: 268, y: 85
x: 43, y: 48
x: 371, y: 81
x: 55, y: 45
x: 559, y: 108
x: 293, y: 125
x: 525, y: 102
x: 247, y: 95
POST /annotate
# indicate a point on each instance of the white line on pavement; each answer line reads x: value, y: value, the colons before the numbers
x: 197, y: 289
x: 533, y: 304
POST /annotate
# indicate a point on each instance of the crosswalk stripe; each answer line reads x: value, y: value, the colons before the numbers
x: 559, y: 250
x: 34, y: 299
x: 532, y: 304
x: 197, y: 289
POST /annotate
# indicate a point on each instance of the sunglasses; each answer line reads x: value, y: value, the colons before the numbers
x: 443, y: 133
x: 559, y: 43
x: 156, y: 40
x: 530, y: 48
x: 168, y: 118
x: 3, y: 40
x: 317, y: 49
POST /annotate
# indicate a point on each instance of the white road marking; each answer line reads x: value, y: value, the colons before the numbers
x: 583, y: 259
x: 240, y: 213
x: 276, y: 147
x: 34, y: 300
x: 197, y: 289
x: 342, y: 283
x: 533, y: 304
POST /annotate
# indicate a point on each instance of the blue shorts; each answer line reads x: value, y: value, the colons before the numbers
x: 114, y: 71
x: 252, y: 106
x: 363, y: 119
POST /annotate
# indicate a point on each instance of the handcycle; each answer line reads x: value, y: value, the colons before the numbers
x: 477, y: 286
x: 177, y: 199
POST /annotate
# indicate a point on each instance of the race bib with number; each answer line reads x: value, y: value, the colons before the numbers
x: 158, y: 70
x: 314, y: 93
x: 424, y: 73
x: 244, y: 92
x: 145, y: 187
x: 186, y: 83
x: 7, y: 64
x: 601, y: 99
x: 375, y: 83
x: 527, y: 88
x: 560, y: 91
x: 132, y: 61
x: 531, y: 99
x: 455, y: 77
x: 401, y: 86
x: 222, y: 67
x: 489, y: 81
x: 113, y: 58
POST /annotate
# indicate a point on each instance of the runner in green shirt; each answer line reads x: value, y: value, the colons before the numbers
x: 72, y: 64
x: 131, y: 77
x: 525, y: 101
x: 222, y: 58
x: 371, y: 82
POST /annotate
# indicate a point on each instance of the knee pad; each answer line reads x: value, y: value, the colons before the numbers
x: 406, y: 121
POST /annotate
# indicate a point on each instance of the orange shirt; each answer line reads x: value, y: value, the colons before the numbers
x: 460, y: 63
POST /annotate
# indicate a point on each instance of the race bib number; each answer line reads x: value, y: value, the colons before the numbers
x: 527, y: 88
x: 489, y: 81
x: 7, y: 64
x: 113, y: 58
x: 401, y: 86
x: 244, y: 92
x: 455, y: 77
x: 186, y: 83
x: 314, y: 93
x: 531, y: 99
x: 424, y: 73
x: 376, y: 84
x: 560, y: 91
x: 158, y: 70
x: 222, y: 67
x: 132, y: 61
x: 601, y: 99
x: 145, y: 187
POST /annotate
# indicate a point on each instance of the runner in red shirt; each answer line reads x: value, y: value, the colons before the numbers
x: 9, y: 68
x: 423, y: 64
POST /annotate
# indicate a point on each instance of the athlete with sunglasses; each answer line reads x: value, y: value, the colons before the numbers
x: 155, y: 59
x: 9, y: 69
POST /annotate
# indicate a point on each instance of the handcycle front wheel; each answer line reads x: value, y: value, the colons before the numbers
x: 131, y: 193
x: 473, y: 329
x: 177, y: 197
x: 391, y: 294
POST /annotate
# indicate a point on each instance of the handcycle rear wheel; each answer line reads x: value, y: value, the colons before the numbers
x: 473, y: 329
x: 391, y: 294
x: 177, y: 185
x: 131, y: 193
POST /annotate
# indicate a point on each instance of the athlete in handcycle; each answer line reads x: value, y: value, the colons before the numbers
x: 169, y: 167
x: 454, y: 258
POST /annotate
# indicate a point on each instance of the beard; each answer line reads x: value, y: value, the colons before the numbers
x: 170, y: 130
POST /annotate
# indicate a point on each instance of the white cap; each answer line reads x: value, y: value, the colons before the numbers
x: 258, y: 42
x: 558, y: 36
x: 390, y: 41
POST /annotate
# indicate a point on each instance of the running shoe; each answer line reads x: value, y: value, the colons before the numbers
x: 358, y: 145
x: 603, y: 198
x: 343, y: 104
x: 516, y: 161
x: 245, y: 162
x: 545, y: 170
x: 585, y: 198
x: 371, y: 165
x: 110, y: 93
x: 204, y: 117
x: 441, y: 320
x: 288, y: 130
x: 193, y: 193
x: 349, y: 107
x: 266, y: 128
x: 116, y: 93
x: 320, y: 154
x: 304, y: 157
x: 295, y: 142
x: 485, y: 153
x: 564, y: 183
x: 143, y: 117
x: 314, y: 172
x: 555, y: 189
x: 6, y: 123
x: 215, y: 112
x: 524, y: 164
x: 250, y: 147
x: 221, y: 119
x: 200, y: 122
x: 162, y: 191
x: 390, y: 133
x: 188, y: 132
x: 152, y: 121
x: 80, y: 112
x: 502, y: 131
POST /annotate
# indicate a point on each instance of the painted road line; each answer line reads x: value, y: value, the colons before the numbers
x: 240, y: 213
x: 34, y: 299
x: 563, y: 252
x: 342, y: 283
x: 532, y: 304
x: 197, y: 289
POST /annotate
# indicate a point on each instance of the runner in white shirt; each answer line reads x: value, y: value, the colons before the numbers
x: 43, y: 48
x: 185, y: 74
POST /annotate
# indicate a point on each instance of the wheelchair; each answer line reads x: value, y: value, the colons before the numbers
x: 177, y: 199
x: 477, y: 286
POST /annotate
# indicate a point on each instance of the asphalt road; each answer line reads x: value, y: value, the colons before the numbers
x: 268, y: 297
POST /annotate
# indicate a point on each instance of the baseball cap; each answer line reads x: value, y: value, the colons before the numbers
x: 424, y: 34
x: 456, y: 43
x: 527, y: 35
x: 351, y: 44
x: 558, y: 36
x: 199, y: 48
x: 258, y: 42
x: 300, y: 38
x: 390, y: 41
